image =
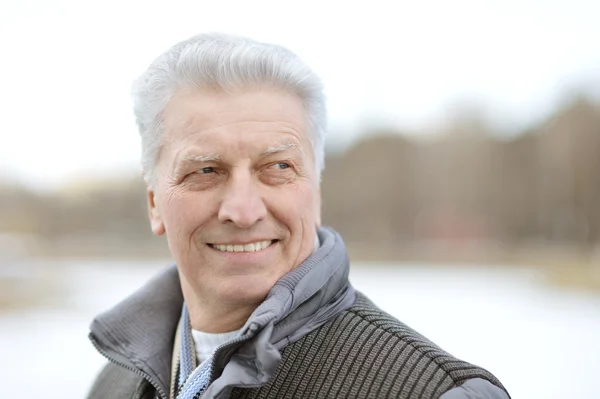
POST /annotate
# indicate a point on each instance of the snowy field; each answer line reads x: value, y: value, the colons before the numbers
x: 540, y: 342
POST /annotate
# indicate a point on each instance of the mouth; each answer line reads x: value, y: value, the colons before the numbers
x: 251, y: 247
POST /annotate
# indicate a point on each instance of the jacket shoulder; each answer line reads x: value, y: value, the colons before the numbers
x: 417, y: 351
x: 116, y: 382
x: 366, y: 353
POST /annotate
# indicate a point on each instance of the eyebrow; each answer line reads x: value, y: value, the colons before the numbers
x: 181, y: 163
x: 279, y: 148
x: 201, y: 158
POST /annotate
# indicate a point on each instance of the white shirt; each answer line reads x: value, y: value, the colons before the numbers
x: 207, y: 343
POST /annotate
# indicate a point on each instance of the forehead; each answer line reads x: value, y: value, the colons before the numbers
x: 209, y: 113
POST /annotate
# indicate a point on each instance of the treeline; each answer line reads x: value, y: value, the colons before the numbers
x: 541, y: 185
x: 387, y: 191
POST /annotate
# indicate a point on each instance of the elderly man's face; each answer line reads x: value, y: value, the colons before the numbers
x: 237, y: 191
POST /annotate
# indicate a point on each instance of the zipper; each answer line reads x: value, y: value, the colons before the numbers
x: 252, y: 329
x: 146, y: 376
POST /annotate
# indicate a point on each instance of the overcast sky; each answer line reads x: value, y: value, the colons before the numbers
x: 67, y: 66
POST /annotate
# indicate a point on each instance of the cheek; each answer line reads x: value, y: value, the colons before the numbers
x: 308, y: 200
x: 296, y: 206
x: 183, y: 213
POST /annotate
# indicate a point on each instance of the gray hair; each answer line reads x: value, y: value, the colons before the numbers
x: 223, y: 62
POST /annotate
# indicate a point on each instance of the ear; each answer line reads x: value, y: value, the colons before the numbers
x: 156, y: 223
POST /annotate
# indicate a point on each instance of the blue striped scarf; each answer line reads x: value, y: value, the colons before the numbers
x: 193, y: 379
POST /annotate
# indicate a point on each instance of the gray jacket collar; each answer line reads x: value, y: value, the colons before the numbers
x: 138, y: 333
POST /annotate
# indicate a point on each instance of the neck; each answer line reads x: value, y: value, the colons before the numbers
x: 224, y: 319
x: 215, y: 316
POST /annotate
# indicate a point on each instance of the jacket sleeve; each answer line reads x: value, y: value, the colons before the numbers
x: 115, y: 382
x: 476, y: 388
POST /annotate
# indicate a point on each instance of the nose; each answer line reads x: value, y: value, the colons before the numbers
x: 242, y: 202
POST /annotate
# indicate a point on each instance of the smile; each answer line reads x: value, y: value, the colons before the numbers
x: 252, y: 247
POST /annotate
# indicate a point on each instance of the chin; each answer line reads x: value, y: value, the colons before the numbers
x: 245, y: 289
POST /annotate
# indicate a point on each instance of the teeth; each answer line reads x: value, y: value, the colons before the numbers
x: 257, y: 246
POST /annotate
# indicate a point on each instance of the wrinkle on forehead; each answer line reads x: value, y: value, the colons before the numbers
x: 206, y: 109
x: 197, y: 125
x: 213, y: 137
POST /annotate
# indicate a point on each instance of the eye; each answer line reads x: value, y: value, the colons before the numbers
x: 205, y: 171
x: 281, y: 165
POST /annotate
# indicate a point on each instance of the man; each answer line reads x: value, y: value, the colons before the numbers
x: 258, y: 304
